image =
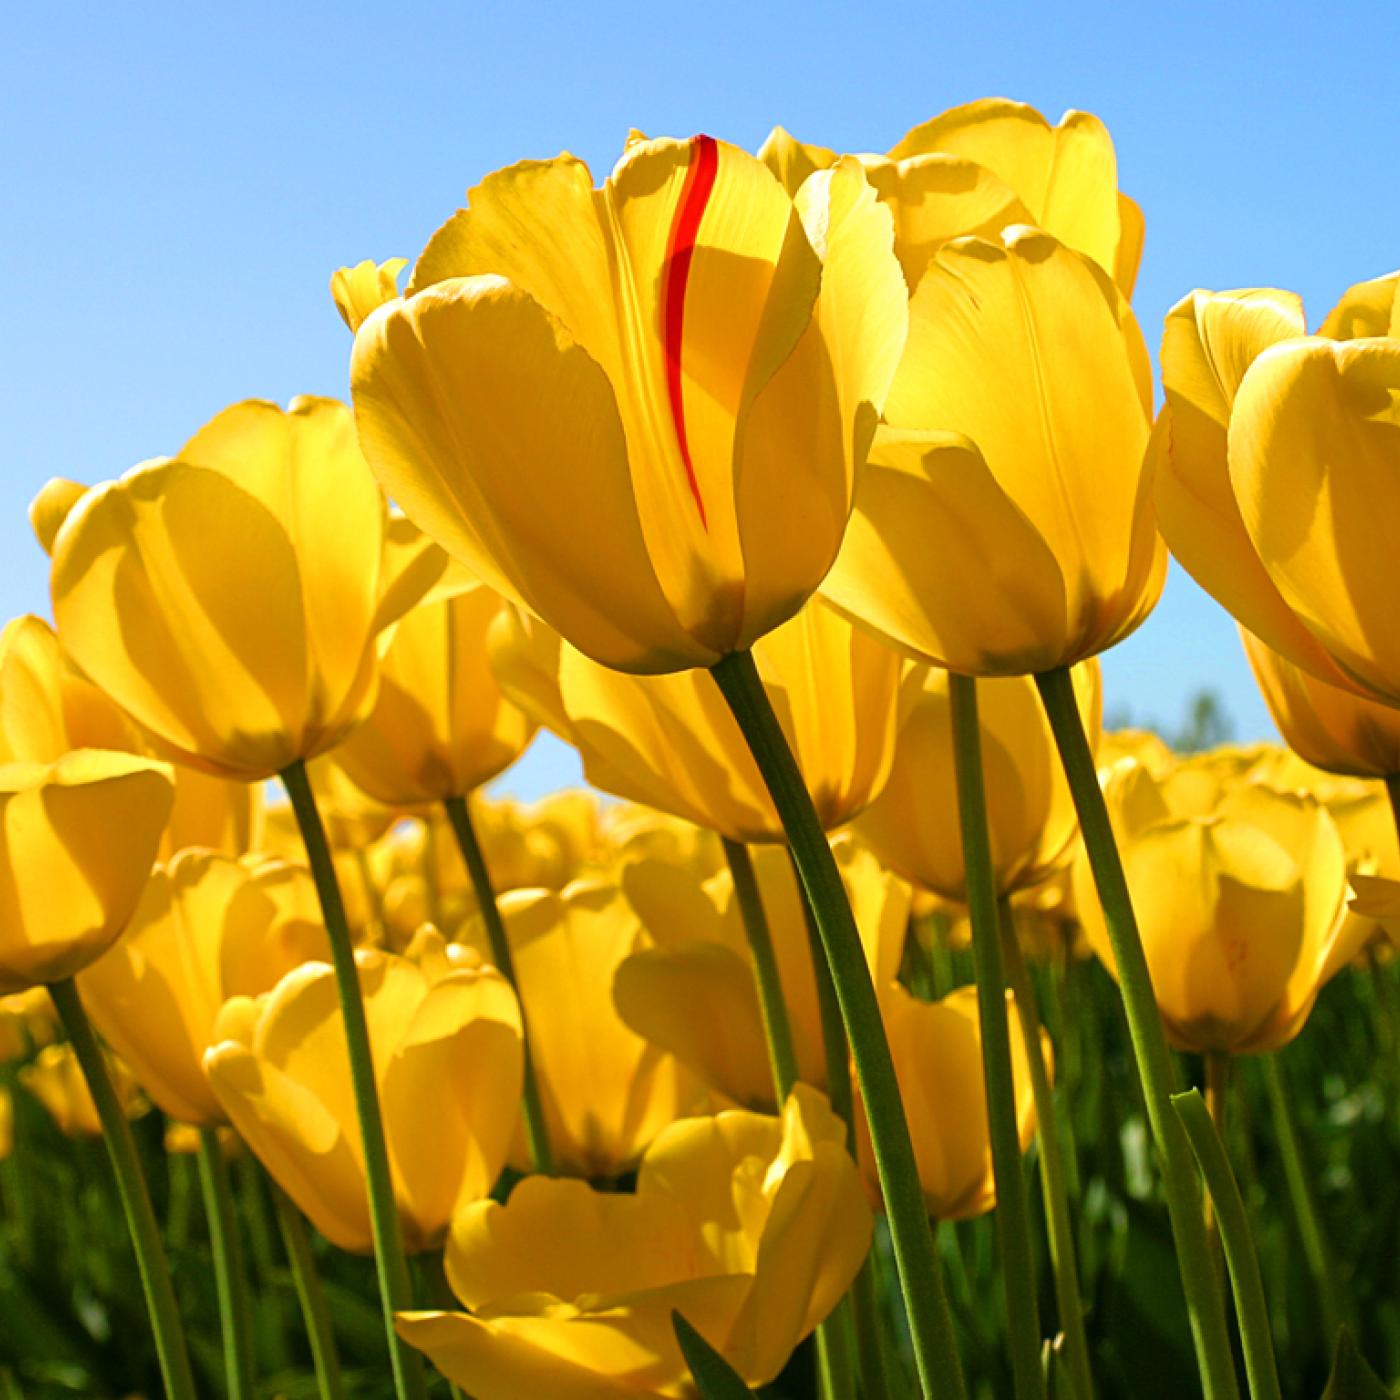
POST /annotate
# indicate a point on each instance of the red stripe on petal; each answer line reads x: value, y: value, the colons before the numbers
x: 680, y: 250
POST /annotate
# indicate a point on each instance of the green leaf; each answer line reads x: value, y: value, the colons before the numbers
x: 715, y: 1377
x: 1352, y: 1378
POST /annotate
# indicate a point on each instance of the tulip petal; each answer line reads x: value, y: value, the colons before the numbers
x: 1367, y: 309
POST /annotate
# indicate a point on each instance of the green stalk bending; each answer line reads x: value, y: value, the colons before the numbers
x: 320, y: 1332
x: 230, y: 1279
x: 1205, y: 1300
x: 1012, y: 1216
x: 136, y: 1199
x: 536, y: 1129
x: 1233, y: 1224
x: 1053, y: 1183
x: 921, y: 1279
x: 395, y: 1294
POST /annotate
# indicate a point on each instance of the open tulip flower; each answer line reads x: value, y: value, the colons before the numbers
x: 208, y: 928
x: 602, y: 400
x: 672, y: 743
x: 693, y: 992
x: 446, y: 1043
x: 1241, y: 894
x: 752, y: 1227
x: 1279, y: 471
x: 231, y: 598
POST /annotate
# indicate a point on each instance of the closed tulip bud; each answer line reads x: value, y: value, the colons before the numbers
x: 56, y: 1080
x: 913, y: 825
x: 359, y: 290
x: 1240, y: 893
x: 230, y: 599
x: 1016, y: 431
x: 615, y: 455
x: 448, y: 1064
x: 79, y: 839
x: 441, y: 726
x: 752, y: 1227
x: 937, y: 1050
x: 208, y: 928
x: 671, y: 742
x: 693, y: 992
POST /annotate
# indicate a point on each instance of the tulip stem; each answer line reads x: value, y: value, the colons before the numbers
x: 1053, y: 1185
x: 921, y: 1279
x: 1233, y: 1224
x: 230, y: 1279
x: 1013, y: 1225
x: 1322, y: 1265
x: 320, y: 1332
x: 777, y: 1029
x: 395, y: 1294
x: 1205, y: 1300
x: 136, y: 1199
x: 536, y: 1129
x: 1217, y: 1074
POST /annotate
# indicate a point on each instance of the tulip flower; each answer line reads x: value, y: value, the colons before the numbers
x: 1258, y: 495
x: 1241, y: 900
x: 56, y: 1080
x: 672, y: 743
x: 606, y: 1092
x: 207, y: 929
x: 447, y: 1061
x: 1013, y: 454
x: 359, y: 290
x: 602, y: 401
x: 913, y: 825
x: 79, y: 840
x: 752, y: 1227
x: 230, y: 598
x: 440, y: 726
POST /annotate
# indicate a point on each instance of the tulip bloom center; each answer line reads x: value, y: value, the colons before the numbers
x: 680, y: 251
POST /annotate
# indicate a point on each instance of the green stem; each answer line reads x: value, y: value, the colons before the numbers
x: 1012, y: 1217
x: 1233, y: 1223
x: 1316, y: 1250
x: 1205, y: 1301
x: 230, y: 1279
x: 1053, y: 1185
x: 921, y: 1279
x: 1217, y: 1073
x: 536, y: 1129
x: 320, y: 1333
x: 135, y: 1198
x: 777, y: 1028
x: 870, y: 1348
x: 390, y: 1263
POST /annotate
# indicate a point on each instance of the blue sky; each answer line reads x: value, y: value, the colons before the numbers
x: 179, y: 182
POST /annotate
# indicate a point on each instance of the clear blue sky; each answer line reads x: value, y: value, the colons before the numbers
x: 178, y: 182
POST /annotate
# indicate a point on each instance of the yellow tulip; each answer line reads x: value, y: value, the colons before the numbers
x: 357, y: 291
x: 229, y: 599
x: 639, y: 411
x: 751, y: 1226
x: 77, y: 841
x: 937, y: 1049
x: 441, y: 726
x: 606, y: 1091
x: 1240, y: 892
x: 693, y: 993
x: 208, y: 928
x: 57, y: 1081
x: 913, y: 825
x: 448, y: 1063
x: 1226, y: 474
x: 671, y: 742
x: 633, y: 832
x: 1014, y: 453
x: 7, y: 1123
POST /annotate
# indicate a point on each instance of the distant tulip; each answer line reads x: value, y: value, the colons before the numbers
x: 752, y: 1227
x: 230, y: 598
x: 602, y: 401
x: 447, y: 1058
x: 56, y: 1080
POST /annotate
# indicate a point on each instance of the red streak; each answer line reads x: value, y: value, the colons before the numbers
x: 680, y: 250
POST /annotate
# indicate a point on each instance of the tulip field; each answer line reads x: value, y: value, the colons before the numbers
x: 877, y: 1021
